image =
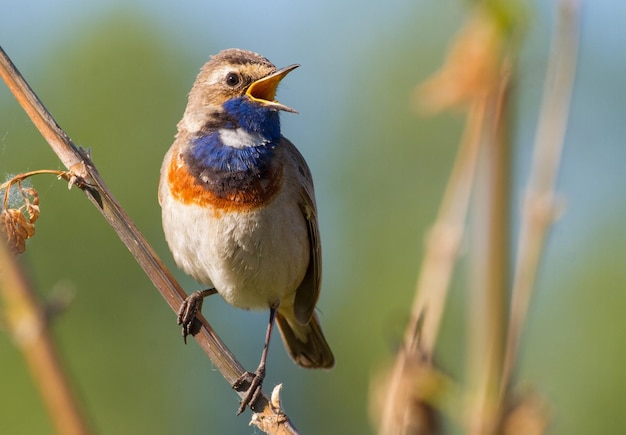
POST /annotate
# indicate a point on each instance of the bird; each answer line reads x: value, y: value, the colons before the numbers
x: 239, y: 212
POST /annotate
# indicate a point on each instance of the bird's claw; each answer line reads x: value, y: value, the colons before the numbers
x: 254, y: 383
x: 187, y: 313
x: 188, y: 310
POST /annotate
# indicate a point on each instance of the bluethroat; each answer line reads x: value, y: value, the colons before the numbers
x: 238, y: 208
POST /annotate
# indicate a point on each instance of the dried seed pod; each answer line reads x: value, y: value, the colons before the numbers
x: 16, y: 227
x: 13, y: 230
x: 32, y: 205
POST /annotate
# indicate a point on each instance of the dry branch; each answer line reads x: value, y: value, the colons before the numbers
x: 79, y: 163
x: 540, y: 206
x: 442, y: 246
x: 26, y: 320
x: 489, y: 263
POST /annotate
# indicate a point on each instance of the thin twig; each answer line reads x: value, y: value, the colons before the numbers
x: 444, y: 239
x: 78, y: 161
x: 540, y: 203
x: 26, y: 320
x: 442, y: 246
x: 21, y: 177
x: 487, y: 306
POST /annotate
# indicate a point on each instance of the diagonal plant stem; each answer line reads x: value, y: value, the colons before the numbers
x: 442, y: 245
x: 26, y: 319
x: 444, y: 239
x: 266, y: 416
x: 540, y: 203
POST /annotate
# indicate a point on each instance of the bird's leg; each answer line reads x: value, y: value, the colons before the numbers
x: 189, y: 308
x: 255, y: 380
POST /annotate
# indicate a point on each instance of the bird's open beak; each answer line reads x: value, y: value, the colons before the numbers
x: 264, y: 90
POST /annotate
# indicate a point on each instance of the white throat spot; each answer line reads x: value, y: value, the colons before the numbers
x: 240, y: 138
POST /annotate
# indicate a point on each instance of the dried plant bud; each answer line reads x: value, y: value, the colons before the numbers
x: 472, y: 65
x: 33, y: 212
x: 20, y: 207
x: 414, y: 404
x: 77, y: 173
x: 528, y: 415
x: 18, y: 224
x: 16, y: 229
x: 31, y: 198
x: 275, y: 399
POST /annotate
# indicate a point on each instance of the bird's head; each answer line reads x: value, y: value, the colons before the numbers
x: 235, y: 85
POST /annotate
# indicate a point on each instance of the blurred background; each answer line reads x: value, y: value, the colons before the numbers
x: 115, y: 75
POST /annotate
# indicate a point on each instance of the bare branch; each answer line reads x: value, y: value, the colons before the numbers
x: 489, y: 264
x: 540, y: 203
x: 26, y: 320
x: 442, y: 245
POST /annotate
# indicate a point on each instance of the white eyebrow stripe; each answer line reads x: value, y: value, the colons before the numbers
x: 219, y: 74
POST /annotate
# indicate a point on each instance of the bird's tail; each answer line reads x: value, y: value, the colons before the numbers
x: 305, y: 343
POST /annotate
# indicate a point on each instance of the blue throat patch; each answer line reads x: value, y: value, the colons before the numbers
x: 254, y: 117
x: 225, y: 170
x: 209, y: 154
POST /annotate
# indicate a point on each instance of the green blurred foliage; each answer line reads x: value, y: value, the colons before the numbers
x: 119, y: 86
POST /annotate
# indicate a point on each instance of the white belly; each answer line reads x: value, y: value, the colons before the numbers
x: 254, y: 259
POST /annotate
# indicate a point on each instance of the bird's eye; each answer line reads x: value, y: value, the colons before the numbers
x: 232, y: 79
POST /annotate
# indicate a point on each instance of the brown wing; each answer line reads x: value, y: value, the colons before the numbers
x: 309, y: 290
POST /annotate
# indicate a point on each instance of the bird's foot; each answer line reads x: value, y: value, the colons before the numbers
x: 252, y: 384
x: 188, y: 310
